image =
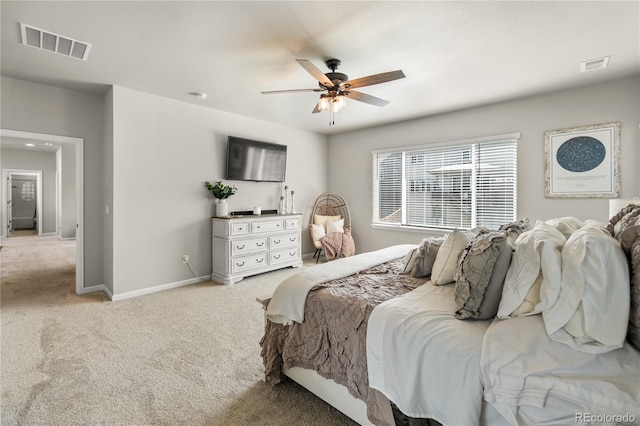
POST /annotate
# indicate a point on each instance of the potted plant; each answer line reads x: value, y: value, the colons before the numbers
x: 221, y: 192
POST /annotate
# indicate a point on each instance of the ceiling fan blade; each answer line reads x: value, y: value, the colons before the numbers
x: 271, y: 92
x: 375, y: 79
x: 315, y: 72
x: 367, y: 99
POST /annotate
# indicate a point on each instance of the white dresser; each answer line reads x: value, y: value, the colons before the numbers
x: 248, y: 245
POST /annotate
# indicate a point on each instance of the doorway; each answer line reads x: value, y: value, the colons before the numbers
x: 76, y: 146
x: 23, y: 201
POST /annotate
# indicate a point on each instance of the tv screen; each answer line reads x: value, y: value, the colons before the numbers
x: 254, y: 160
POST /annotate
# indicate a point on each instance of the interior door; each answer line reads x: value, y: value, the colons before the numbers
x: 9, y: 205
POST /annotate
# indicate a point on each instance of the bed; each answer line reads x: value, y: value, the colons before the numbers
x: 384, y: 346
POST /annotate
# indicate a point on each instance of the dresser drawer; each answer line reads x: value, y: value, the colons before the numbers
x: 266, y: 226
x: 281, y: 256
x: 292, y: 223
x: 284, y: 240
x: 240, y: 228
x: 248, y: 246
x: 248, y: 262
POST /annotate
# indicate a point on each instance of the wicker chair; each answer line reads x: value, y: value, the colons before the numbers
x: 328, y: 204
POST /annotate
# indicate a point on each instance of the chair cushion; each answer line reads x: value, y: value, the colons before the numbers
x: 322, y: 220
x: 317, y: 232
x: 335, y: 226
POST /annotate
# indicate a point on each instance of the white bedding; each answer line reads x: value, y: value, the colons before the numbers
x: 288, y: 300
x: 419, y: 355
x: 523, y: 368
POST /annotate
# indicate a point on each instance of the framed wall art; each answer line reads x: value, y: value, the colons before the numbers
x: 583, y: 162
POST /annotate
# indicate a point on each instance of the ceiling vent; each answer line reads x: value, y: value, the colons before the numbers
x: 56, y: 43
x: 594, y: 64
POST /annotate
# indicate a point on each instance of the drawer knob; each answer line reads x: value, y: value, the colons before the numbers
x: 276, y: 241
x: 260, y: 244
x: 276, y: 257
x: 292, y: 254
x: 240, y: 264
x: 240, y: 247
x: 292, y: 239
x: 259, y: 260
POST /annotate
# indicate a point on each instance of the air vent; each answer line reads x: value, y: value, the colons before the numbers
x: 55, y: 43
x: 594, y: 64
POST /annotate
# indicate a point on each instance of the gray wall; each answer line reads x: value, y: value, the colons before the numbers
x: 36, y: 160
x: 163, y: 152
x: 615, y: 101
x: 39, y: 108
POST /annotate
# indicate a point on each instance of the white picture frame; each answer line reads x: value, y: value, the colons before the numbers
x: 583, y: 162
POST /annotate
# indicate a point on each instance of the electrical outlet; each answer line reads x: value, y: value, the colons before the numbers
x: 185, y: 258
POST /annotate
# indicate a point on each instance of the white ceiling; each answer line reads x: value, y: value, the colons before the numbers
x: 454, y: 54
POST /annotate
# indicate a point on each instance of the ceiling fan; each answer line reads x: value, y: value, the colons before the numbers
x: 338, y: 87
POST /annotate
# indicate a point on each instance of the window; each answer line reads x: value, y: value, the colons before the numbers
x: 461, y: 185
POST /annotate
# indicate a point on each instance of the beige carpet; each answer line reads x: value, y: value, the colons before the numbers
x: 187, y: 356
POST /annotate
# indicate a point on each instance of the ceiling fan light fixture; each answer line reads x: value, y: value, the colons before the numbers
x: 323, y: 103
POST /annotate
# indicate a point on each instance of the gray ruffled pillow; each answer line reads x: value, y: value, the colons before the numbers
x: 426, y: 256
x: 482, y: 268
x: 514, y: 229
x: 625, y: 227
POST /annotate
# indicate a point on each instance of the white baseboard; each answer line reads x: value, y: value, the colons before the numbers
x: 48, y: 234
x: 158, y: 288
x: 67, y: 239
x: 94, y: 288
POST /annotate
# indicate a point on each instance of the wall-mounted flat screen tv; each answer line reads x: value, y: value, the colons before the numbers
x: 255, y: 160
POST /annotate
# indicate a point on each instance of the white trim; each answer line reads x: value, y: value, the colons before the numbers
x: 96, y: 288
x: 79, y: 145
x: 407, y: 228
x: 496, y: 138
x: 48, y: 234
x: 158, y: 288
x: 67, y: 239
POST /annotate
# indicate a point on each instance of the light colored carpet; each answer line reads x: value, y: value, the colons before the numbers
x: 187, y: 356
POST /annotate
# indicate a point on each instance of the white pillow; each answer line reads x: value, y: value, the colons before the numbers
x: 317, y: 232
x: 322, y: 220
x: 335, y: 226
x: 589, y: 308
x: 537, y: 252
x: 446, y: 263
x: 567, y: 225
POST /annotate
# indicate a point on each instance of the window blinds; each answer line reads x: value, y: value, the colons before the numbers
x: 453, y: 186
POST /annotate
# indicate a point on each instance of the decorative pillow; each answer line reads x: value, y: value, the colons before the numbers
x: 514, y: 229
x: 322, y: 220
x: 625, y: 227
x: 446, y: 263
x: 318, y: 232
x: 409, y: 261
x: 620, y: 221
x: 633, y: 333
x: 589, y: 308
x: 480, y: 275
x: 335, y: 226
x: 566, y: 225
x: 426, y: 256
x: 537, y: 252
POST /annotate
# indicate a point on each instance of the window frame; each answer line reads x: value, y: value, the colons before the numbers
x: 405, y: 151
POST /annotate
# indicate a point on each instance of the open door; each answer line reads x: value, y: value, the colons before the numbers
x: 9, y: 224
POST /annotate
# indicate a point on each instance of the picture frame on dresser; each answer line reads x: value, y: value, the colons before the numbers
x: 583, y: 162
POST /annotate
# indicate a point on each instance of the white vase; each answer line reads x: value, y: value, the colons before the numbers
x: 222, y: 208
